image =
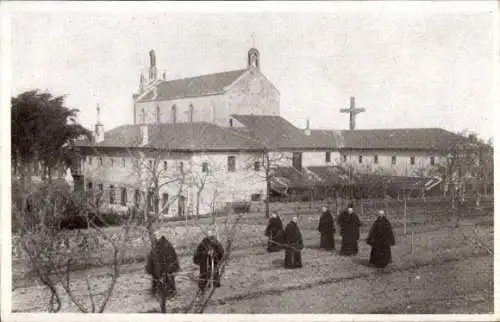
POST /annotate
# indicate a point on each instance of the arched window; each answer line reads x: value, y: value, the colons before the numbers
x: 191, y: 113
x: 174, y: 114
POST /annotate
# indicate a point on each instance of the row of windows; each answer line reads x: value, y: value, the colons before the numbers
x: 173, y: 114
x: 231, y: 164
x: 375, y: 159
x: 138, y: 196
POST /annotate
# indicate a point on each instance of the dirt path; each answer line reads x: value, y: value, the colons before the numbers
x: 253, y: 274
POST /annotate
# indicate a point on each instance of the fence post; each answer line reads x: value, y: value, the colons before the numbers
x: 412, y: 242
x: 404, y: 216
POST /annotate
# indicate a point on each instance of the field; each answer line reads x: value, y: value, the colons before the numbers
x: 448, y: 270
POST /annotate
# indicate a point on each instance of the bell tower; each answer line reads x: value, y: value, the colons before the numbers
x: 253, y: 58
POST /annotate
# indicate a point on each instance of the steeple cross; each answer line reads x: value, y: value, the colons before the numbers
x: 353, y: 111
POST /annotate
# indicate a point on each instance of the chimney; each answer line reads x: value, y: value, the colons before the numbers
x: 99, y: 127
x: 144, y: 134
x: 152, y: 66
x: 307, y: 131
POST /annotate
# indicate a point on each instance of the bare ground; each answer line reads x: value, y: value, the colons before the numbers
x: 454, y: 273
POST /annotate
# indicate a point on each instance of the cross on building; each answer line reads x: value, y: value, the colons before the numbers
x: 353, y: 111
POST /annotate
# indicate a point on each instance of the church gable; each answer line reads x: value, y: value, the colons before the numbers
x: 253, y: 93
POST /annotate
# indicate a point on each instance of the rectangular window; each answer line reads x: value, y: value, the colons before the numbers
x: 137, y: 198
x: 393, y: 161
x: 90, y: 160
x: 433, y: 161
x: 124, y: 162
x: 181, y: 167
x: 100, y: 160
x: 328, y: 157
x: 164, y: 203
x: 150, y: 164
x: 112, y: 161
x: 89, y: 186
x: 101, y: 188
x: 111, y: 194
x: 360, y: 159
x: 412, y: 160
x: 345, y: 158
x: 375, y: 159
x: 124, y: 196
x: 231, y: 163
x: 256, y: 166
x: 297, y: 160
x: 165, y: 165
x: 204, y: 167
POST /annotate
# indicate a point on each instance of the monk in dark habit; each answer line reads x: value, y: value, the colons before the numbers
x: 349, y: 224
x: 208, y: 256
x: 274, y: 232
x: 162, y: 264
x: 293, y: 245
x: 326, y: 228
x: 381, y: 238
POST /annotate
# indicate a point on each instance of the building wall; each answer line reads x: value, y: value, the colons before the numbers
x: 402, y: 167
x: 222, y: 186
x: 252, y: 94
x: 204, y: 109
x: 318, y: 158
x: 120, y: 169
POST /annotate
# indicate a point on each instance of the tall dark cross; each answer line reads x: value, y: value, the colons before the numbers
x: 353, y: 111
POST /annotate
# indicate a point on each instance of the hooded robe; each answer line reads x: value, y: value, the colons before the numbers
x: 208, y: 256
x: 381, y: 238
x: 349, y: 230
x: 326, y: 227
x: 274, y: 232
x: 162, y: 263
x: 293, y: 246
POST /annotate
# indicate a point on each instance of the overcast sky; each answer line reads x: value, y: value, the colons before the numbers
x: 410, y: 69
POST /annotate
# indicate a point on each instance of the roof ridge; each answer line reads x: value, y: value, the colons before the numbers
x: 199, y: 76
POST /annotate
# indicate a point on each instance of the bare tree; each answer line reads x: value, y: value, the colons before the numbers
x: 53, y: 253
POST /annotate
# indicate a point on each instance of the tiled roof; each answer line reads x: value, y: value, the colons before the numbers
x: 201, y: 136
x: 417, y: 139
x: 274, y: 132
x: 203, y: 85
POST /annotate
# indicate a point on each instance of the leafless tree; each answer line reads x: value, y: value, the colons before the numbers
x: 53, y: 253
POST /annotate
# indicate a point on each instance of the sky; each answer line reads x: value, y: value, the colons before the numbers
x: 407, y: 68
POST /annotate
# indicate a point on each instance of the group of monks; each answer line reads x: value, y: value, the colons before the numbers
x: 380, y: 237
x: 163, y: 263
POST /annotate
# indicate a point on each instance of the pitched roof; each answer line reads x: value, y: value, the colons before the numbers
x: 274, y: 132
x: 381, y: 139
x: 211, y: 84
x: 200, y: 136
x: 413, y: 139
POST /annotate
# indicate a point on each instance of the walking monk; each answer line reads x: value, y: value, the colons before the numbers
x: 326, y: 228
x: 381, y: 238
x: 208, y: 256
x: 294, y: 245
x: 274, y: 232
x: 349, y: 229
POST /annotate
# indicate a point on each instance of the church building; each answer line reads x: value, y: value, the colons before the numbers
x: 204, y: 141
